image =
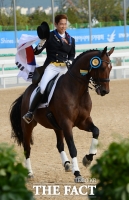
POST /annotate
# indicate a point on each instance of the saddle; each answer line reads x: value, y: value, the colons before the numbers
x: 49, y: 114
x: 38, y: 74
x: 48, y: 89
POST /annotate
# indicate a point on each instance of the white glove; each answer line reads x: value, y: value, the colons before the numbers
x: 68, y: 63
x: 41, y: 43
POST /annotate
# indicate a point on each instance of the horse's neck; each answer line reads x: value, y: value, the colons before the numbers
x: 74, y: 83
x: 76, y: 69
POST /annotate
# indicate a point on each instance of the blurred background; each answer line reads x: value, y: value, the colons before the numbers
x: 93, y: 24
x: 29, y: 14
x: 90, y: 15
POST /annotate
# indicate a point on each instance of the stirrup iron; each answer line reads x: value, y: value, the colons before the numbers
x: 26, y: 119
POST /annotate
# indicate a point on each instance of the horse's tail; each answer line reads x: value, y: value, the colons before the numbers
x: 15, y: 119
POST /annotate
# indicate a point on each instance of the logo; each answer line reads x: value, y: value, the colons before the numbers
x: 62, y: 189
x: 111, y: 36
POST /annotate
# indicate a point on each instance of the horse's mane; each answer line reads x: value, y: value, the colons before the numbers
x: 82, y: 54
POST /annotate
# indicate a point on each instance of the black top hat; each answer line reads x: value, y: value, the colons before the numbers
x: 43, y: 31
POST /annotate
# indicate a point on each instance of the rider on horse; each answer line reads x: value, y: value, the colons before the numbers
x: 60, y: 48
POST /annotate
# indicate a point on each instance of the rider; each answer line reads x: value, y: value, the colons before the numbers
x: 60, y: 48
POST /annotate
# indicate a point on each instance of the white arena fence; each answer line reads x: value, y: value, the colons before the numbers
x: 8, y: 78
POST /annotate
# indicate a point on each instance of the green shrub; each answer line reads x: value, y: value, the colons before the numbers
x: 112, y: 172
x: 12, y: 176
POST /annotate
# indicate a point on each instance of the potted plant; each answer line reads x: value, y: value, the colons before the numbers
x: 12, y: 176
x: 112, y: 173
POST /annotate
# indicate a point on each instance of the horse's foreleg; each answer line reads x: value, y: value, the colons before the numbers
x: 60, y: 147
x: 93, y: 148
x: 73, y: 153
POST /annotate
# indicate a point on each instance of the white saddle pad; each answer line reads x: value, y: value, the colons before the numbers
x: 43, y: 105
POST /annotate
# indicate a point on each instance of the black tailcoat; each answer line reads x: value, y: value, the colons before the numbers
x: 57, y: 51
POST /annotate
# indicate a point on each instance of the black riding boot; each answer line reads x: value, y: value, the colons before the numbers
x: 28, y: 117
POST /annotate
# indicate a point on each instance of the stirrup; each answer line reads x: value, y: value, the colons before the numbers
x: 28, y: 118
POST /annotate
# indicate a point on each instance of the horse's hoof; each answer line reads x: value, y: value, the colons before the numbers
x: 30, y: 175
x: 68, y: 167
x: 79, y: 179
x: 86, y: 162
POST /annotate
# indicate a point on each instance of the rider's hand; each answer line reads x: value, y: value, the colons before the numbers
x: 64, y: 40
x: 68, y: 63
x: 41, y: 43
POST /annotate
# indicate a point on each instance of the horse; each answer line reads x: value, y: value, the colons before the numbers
x: 70, y: 107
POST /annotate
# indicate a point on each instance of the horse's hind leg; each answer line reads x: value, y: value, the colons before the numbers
x: 60, y: 147
x: 27, y: 140
x: 90, y: 127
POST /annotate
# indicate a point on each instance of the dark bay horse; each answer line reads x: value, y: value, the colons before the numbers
x: 71, y: 106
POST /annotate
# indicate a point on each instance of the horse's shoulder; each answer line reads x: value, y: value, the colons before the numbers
x: 85, y: 101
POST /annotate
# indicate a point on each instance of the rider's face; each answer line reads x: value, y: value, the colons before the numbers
x: 61, y: 26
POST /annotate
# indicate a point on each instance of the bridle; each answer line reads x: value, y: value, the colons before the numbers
x: 104, y: 79
x: 95, y: 82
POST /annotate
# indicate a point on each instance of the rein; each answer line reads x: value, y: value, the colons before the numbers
x: 77, y: 78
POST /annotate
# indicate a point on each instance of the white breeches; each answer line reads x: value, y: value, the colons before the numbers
x: 49, y: 73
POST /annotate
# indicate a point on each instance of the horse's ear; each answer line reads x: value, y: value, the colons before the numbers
x: 104, y: 51
x: 111, y: 51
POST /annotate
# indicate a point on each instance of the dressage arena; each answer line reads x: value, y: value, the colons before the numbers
x: 109, y: 113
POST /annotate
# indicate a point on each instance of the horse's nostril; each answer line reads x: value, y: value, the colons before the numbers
x: 105, y: 92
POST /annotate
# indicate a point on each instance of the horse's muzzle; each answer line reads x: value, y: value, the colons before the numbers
x: 101, y: 91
